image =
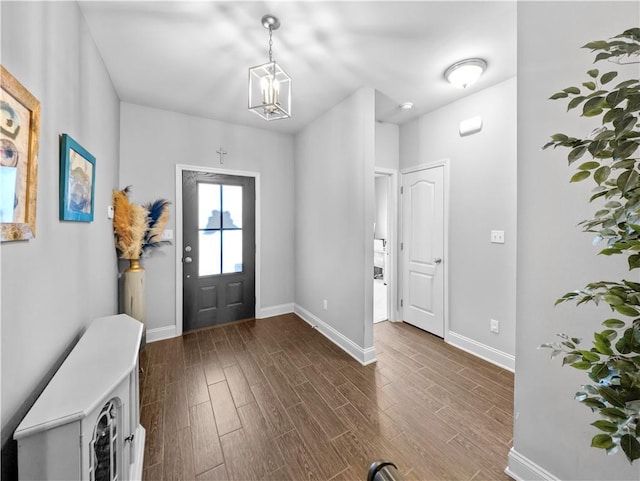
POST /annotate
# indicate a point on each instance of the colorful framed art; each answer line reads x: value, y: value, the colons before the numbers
x: 19, y: 131
x: 77, y: 181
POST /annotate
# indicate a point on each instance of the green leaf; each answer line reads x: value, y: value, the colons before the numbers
x: 575, y: 102
x: 625, y: 125
x: 558, y: 95
x: 625, y: 150
x: 606, y: 426
x: 560, y: 137
x: 582, y: 365
x: 613, y: 300
x: 579, y: 176
x: 603, y: 56
x: 612, y: 396
x: 576, y: 153
x: 614, y: 323
x: 572, y: 90
x: 602, y: 441
x: 593, y: 73
x: 608, y: 77
x: 593, y: 107
x: 615, y: 97
x: 589, y: 85
x: 589, y: 165
x: 626, y: 310
x: 633, y: 261
x: 613, y: 114
x: 599, y: 371
x: 613, y: 413
x: 597, y: 45
x: 630, y: 446
x: 602, y: 174
x: 590, y: 356
x: 627, y: 83
x: 594, y: 404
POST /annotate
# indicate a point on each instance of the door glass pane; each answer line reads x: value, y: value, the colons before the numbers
x: 208, y: 206
x: 232, y: 248
x: 232, y: 205
x: 209, y: 253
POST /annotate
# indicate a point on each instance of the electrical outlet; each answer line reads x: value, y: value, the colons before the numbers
x: 497, y: 237
x: 495, y: 326
x: 325, y: 304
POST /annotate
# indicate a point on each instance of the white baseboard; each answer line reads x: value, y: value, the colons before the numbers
x: 488, y: 353
x: 522, y: 468
x: 160, y: 333
x: 363, y: 356
x: 272, y: 311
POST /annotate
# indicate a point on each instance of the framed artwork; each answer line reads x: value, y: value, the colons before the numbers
x: 77, y: 181
x: 19, y: 131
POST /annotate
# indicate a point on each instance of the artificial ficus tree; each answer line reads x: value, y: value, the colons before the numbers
x: 609, y: 157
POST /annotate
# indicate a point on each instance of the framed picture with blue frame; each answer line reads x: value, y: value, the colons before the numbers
x: 77, y: 181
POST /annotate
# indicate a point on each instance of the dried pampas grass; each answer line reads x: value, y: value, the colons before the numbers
x: 137, y: 228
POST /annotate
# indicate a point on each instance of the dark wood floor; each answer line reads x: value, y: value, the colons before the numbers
x: 273, y: 399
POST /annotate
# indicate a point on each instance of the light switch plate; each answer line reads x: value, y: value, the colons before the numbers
x: 167, y: 234
x: 497, y: 237
x: 109, y: 212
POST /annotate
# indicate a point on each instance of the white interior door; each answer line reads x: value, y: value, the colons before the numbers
x: 423, y: 249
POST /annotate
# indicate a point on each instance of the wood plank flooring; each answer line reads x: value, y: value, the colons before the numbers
x: 273, y: 399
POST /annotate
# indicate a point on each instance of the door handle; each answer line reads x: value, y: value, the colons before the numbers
x: 188, y: 260
x: 437, y: 260
x: 187, y: 249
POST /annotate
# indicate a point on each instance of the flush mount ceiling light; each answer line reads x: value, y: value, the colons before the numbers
x: 466, y: 72
x: 269, y: 84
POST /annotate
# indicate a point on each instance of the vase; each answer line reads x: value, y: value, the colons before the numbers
x: 134, y: 295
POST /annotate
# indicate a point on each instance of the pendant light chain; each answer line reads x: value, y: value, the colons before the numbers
x: 270, y: 44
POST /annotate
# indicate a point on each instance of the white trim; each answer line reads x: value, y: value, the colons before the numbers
x: 135, y: 471
x: 363, y: 356
x: 522, y: 468
x: 488, y: 353
x: 393, y: 304
x: 178, y: 239
x: 160, y: 333
x: 275, y: 311
x: 444, y: 163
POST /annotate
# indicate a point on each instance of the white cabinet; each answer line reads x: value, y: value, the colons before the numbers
x: 86, y: 423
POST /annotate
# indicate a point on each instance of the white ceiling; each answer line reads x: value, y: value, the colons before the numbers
x: 192, y: 57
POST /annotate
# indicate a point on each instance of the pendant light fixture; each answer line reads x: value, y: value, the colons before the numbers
x: 466, y: 72
x: 269, y: 84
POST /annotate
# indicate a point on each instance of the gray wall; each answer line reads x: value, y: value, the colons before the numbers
x: 53, y: 285
x: 387, y: 145
x: 381, y: 214
x: 154, y: 141
x: 334, y: 217
x: 554, y: 256
x: 482, y: 193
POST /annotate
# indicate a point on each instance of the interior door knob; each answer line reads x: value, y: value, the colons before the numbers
x: 187, y: 249
x: 188, y: 260
x: 437, y: 260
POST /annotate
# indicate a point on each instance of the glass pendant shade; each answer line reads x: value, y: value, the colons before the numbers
x: 270, y: 91
x: 465, y: 73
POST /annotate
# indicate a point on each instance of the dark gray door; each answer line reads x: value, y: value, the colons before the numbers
x: 218, y: 262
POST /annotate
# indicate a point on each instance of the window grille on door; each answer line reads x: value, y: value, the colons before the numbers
x: 219, y: 229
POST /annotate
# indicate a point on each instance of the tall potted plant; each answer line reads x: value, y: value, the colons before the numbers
x: 609, y: 157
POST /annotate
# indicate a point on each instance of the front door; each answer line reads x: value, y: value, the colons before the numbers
x: 423, y: 249
x: 218, y: 262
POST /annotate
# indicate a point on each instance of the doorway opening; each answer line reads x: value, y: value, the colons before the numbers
x: 383, y: 271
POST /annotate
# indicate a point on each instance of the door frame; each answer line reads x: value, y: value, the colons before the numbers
x: 393, y: 306
x: 444, y: 163
x: 179, y: 226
